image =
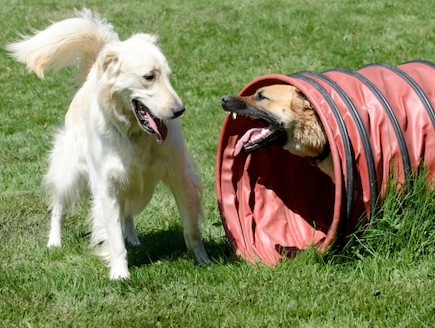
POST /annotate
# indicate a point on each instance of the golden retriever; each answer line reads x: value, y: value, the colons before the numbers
x: 121, y: 134
x: 291, y: 122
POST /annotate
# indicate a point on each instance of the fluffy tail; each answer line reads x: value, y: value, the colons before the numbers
x: 73, y: 41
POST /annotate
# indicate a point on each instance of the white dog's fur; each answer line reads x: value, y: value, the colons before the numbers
x: 102, y: 145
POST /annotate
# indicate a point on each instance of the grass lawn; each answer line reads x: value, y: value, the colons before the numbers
x: 383, y: 279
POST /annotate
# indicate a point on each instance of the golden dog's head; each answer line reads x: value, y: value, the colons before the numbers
x: 136, y: 77
x: 291, y: 121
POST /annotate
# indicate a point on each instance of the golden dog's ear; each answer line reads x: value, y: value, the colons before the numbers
x: 300, y: 102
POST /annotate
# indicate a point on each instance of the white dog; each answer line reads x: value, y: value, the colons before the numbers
x: 120, y: 137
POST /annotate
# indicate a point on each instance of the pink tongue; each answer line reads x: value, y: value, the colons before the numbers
x: 249, y: 135
x: 159, y: 128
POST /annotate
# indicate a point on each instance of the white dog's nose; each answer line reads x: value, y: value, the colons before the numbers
x: 177, y: 110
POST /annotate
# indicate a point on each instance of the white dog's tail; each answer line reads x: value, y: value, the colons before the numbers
x: 73, y: 41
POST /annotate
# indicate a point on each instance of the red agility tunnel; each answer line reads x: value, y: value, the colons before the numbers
x: 378, y: 119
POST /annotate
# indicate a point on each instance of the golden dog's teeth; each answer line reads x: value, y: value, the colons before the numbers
x: 233, y: 115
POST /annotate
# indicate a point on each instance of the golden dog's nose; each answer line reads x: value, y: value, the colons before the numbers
x: 225, y: 99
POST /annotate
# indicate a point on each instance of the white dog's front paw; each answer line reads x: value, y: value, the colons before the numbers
x: 54, y: 241
x: 119, y: 271
x: 119, y: 275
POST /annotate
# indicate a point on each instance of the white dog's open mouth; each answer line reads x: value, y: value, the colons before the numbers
x: 148, y: 122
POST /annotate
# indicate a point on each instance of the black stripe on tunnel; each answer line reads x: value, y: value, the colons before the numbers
x: 347, y: 148
x: 365, y: 140
x: 422, y: 61
x: 406, y: 162
x: 420, y: 93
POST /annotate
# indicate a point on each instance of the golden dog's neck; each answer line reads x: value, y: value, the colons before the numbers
x: 306, y: 135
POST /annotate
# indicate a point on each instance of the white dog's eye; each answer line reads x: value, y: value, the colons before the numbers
x: 150, y: 77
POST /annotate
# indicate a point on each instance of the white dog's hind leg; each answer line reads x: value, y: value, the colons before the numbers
x: 65, y: 181
x: 57, y: 214
x: 186, y: 189
x: 130, y: 231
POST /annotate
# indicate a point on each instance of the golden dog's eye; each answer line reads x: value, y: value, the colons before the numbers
x: 260, y: 96
x: 150, y: 77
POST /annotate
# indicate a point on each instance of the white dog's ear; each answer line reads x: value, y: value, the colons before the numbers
x: 152, y: 38
x: 109, y: 63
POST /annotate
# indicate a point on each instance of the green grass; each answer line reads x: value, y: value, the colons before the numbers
x: 384, y: 278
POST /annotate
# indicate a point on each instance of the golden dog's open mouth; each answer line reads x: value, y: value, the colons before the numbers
x: 148, y: 122
x: 269, y: 130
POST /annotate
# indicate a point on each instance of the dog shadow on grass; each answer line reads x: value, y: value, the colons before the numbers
x: 169, y: 245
